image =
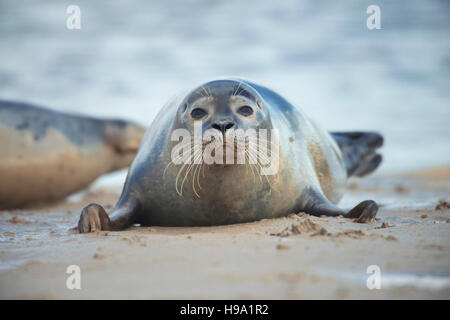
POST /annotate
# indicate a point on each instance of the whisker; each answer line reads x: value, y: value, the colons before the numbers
x: 176, y: 179
x: 251, y: 165
x: 267, y: 179
x: 172, y: 161
x: 237, y: 90
x: 203, y: 170
x: 264, y: 155
x: 193, y: 176
x: 207, y: 94
x: 198, y: 176
x: 179, y: 173
x: 188, y: 170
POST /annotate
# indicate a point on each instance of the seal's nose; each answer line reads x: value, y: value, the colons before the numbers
x: 222, y: 126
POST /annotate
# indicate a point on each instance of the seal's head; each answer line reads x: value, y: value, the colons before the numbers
x: 226, y: 111
x: 229, y: 123
x: 224, y: 105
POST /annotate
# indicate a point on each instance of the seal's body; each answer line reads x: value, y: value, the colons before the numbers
x: 311, y: 176
x: 46, y: 155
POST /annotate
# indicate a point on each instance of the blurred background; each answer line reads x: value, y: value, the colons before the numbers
x: 130, y: 57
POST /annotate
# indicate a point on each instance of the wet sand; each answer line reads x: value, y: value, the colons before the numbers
x: 296, y: 257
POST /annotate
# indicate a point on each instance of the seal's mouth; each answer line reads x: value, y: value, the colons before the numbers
x: 240, y: 150
x: 228, y: 147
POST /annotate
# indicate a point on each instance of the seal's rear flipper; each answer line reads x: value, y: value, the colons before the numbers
x: 318, y: 205
x: 359, y: 151
x: 364, y: 212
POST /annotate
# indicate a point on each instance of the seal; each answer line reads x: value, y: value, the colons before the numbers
x: 313, y: 165
x: 46, y: 155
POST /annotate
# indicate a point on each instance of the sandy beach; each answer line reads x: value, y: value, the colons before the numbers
x: 296, y: 257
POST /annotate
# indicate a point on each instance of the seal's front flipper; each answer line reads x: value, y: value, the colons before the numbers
x: 94, y: 217
x: 364, y: 212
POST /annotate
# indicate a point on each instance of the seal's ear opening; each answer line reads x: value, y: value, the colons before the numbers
x: 124, y: 137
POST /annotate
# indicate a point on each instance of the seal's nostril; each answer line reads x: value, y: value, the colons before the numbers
x: 229, y: 125
x: 222, y: 127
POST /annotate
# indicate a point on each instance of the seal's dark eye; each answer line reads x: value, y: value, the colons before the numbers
x: 198, y: 113
x: 245, y: 111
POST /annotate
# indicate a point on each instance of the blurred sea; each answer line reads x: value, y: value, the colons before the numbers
x: 130, y: 57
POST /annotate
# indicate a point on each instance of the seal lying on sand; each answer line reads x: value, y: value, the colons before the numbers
x: 313, y: 166
x: 46, y: 155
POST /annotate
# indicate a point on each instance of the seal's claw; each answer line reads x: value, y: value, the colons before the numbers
x: 364, y: 212
x: 93, y: 218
